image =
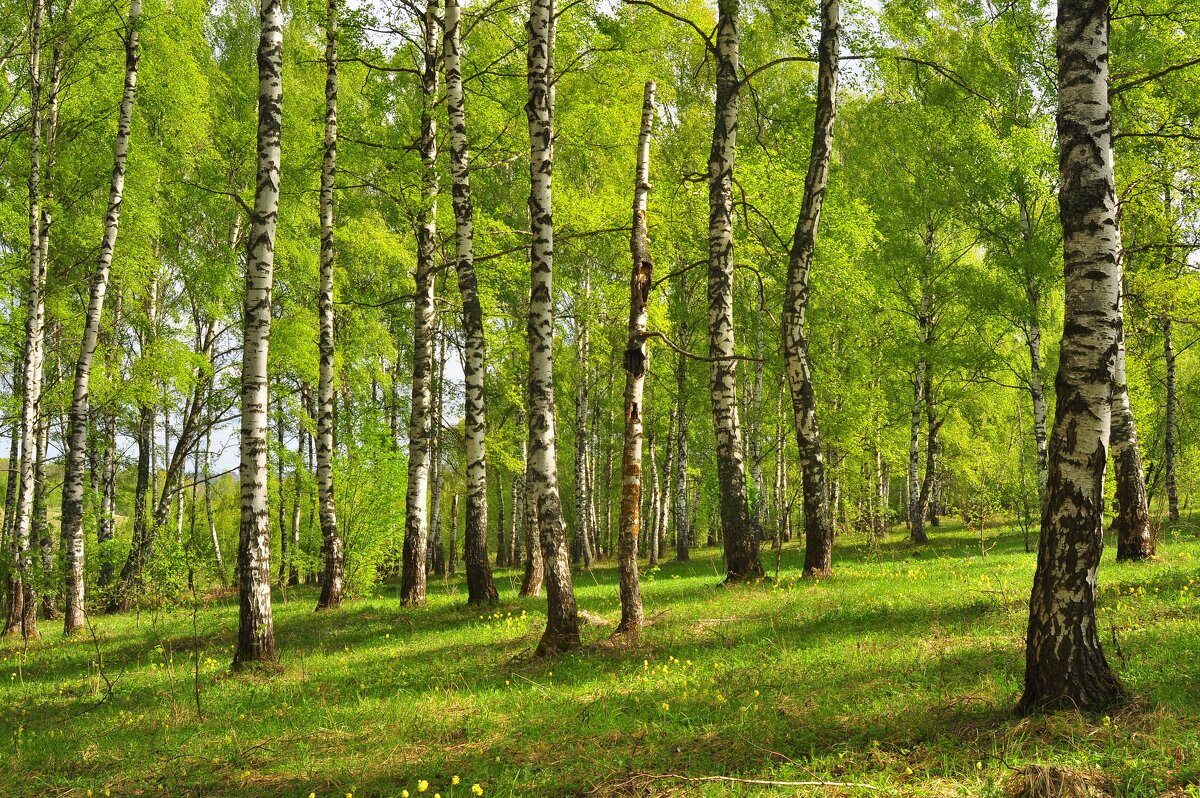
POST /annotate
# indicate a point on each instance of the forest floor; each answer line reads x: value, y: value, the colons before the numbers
x: 900, y: 673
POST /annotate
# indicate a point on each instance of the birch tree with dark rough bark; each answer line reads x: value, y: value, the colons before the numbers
x: 256, y: 630
x: 481, y: 588
x: 77, y: 431
x: 334, y: 567
x: 1065, y: 666
x: 562, y: 619
x: 818, y: 525
x: 420, y: 424
x: 739, y: 531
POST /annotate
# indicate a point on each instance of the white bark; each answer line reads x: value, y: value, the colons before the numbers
x: 256, y: 632
x: 72, y: 490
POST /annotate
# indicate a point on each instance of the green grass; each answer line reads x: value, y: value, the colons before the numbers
x: 901, y: 672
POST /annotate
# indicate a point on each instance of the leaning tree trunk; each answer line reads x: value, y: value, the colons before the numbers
x: 739, y: 532
x: 416, y: 504
x: 1065, y: 667
x: 636, y: 365
x: 1169, y: 436
x: 481, y: 589
x: 562, y: 620
x: 72, y: 490
x: 22, y: 604
x: 818, y: 525
x: 333, y: 575
x: 1132, y: 521
x: 256, y: 632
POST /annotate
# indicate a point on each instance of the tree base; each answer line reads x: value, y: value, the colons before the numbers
x: 555, y: 642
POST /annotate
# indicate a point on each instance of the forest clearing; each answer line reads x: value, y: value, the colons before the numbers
x: 600, y: 397
x: 910, y: 660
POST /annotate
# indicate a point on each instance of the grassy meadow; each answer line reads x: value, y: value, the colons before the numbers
x: 899, y: 674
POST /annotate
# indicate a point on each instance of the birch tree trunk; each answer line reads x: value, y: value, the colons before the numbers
x: 664, y: 495
x: 297, y: 498
x: 281, y: 483
x: 1065, y: 667
x: 1132, y: 521
x: 21, y: 617
x: 1169, y: 436
x: 416, y: 505
x: 208, y: 508
x: 106, y: 523
x: 502, y: 541
x: 41, y: 523
x: 436, y: 560
x: 818, y: 525
x: 583, y: 530
x: 481, y: 588
x: 525, y: 520
x: 256, y: 631
x: 454, y: 532
x: 77, y: 431
x: 636, y: 365
x: 1037, y: 391
x: 333, y: 574
x: 739, y: 532
x: 562, y: 620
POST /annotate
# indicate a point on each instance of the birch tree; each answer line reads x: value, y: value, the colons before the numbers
x: 481, y: 588
x: 256, y: 631
x: 562, y: 620
x: 818, y: 526
x: 77, y: 431
x: 21, y: 617
x: 636, y: 365
x: 739, y: 531
x: 420, y: 425
x: 1065, y: 667
x: 333, y: 579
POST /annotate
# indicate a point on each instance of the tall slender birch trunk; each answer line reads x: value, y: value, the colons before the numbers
x: 106, y: 524
x: 72, y: 490
x: 22, y: 604
x: 739, y: 531
x: 818, y: 525
x: 1033, y: 338
x: 917, y: 489
x: 208, y: 508
x: 583, y: 519
x: 1169, y: 436
x: 1065, y: 667
x: 562, y: 620
x: 636, y: 365
x: 525, y: 523
x: 41, y: 521
x: 333, y: 578
x: 416, y: 505
x: 1132, y: 521
x: 481, y: 588
x: 256, y: 631
x: 435, y: 562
